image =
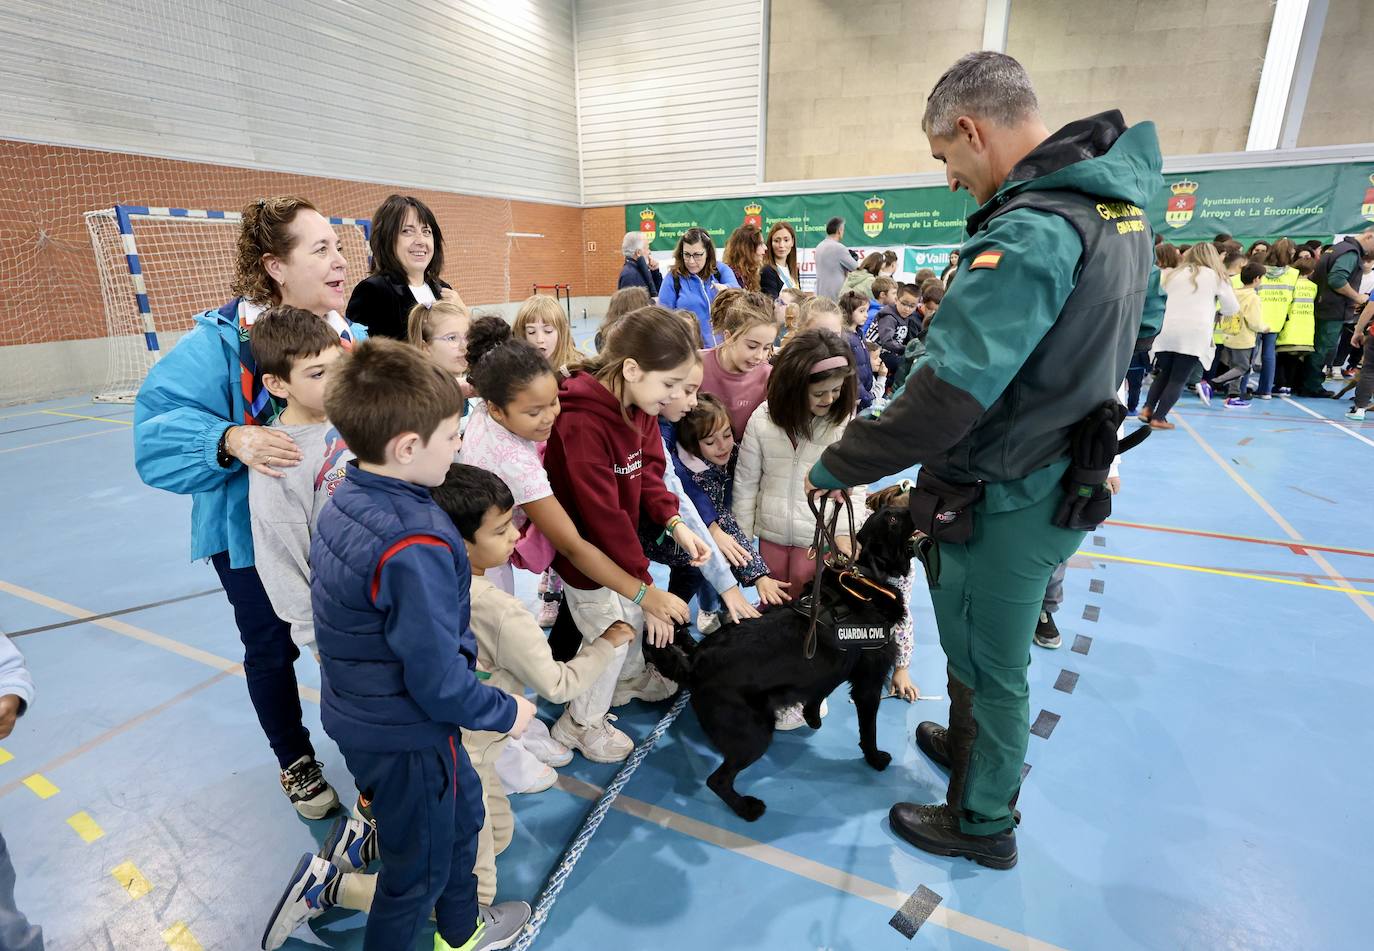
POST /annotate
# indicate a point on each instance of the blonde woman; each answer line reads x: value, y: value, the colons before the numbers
x: 1193, y: 291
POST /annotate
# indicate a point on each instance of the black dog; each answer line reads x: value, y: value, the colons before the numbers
x: 743, y: 674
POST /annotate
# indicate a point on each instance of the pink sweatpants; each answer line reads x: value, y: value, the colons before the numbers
x: 786, y: 563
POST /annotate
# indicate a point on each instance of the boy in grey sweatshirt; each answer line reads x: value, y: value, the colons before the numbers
x: 284, y: 507
x: 16, y: 693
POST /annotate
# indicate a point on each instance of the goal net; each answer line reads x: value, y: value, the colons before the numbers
x: 159, y: 267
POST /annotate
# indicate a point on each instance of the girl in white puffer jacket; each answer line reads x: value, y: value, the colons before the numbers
x: 812, y: 394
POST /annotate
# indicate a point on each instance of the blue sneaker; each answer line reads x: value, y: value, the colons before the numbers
x: 1236, y: 402
x: 302, y: 900
x: 1204, y: 393
x: 351, y: 845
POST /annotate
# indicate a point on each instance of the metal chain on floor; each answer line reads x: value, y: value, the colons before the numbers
x: 568, y: 860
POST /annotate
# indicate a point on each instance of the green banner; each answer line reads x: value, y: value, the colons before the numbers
x: 1311, y: 201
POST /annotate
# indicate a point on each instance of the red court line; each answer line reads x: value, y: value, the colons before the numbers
x: 1298, y: 548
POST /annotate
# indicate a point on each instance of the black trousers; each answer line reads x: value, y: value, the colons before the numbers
x: 1171, y: 374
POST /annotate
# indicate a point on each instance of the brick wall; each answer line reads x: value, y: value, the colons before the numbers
x: 49, y: 288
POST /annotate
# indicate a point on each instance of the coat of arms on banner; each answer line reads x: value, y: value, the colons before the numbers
x: 1367, y: 209
x: 647, y: 225
x: 1181, y: 206
x: 753, y: 215
x: 873, y: 216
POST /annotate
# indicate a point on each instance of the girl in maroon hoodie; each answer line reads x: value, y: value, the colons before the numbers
x: 605, y: 464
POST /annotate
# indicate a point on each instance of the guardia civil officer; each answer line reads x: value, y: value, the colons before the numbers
x: 1034, y: 335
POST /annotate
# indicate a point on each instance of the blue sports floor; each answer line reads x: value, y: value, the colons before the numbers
x: 1205, y: 786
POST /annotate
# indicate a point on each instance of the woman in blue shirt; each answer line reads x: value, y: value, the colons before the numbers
x: 695, y: 279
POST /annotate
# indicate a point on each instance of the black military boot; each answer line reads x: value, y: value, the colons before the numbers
x: 935, y: 829
x: 931, y: 740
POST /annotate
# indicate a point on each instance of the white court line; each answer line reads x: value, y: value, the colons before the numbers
x: 140, y: 634
x: 1361, y: 602
x: 841, y: 881
x: 1330, y: 422
x: 51, y: 442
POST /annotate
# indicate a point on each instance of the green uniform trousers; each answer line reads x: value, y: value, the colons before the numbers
x: 1324, y: 343
x: 987, y: 602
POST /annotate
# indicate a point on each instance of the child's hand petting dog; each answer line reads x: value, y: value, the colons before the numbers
x: 772, y: 592
x: 738, y: 605
x: 902, y: 687
x: 656, y: 632
x: 733, y: 551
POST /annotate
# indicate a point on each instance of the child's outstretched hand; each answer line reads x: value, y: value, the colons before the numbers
x: 656, y: 632
x: 733, y: 551
x: 772, y: 592
x: 618, y: 633
x: 665, y: 606
x: 524, y: 713
x: 738, y: 605
x: 688, y: 541
x: 902, y: 687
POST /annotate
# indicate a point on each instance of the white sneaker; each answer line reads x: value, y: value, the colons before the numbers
x: 520, y: 771
x: 649, y: 685
x: 537, y: 741
x: 707, y: 621
x: 1356, y: 414
x: 600, y: 743
x: 790, y: 718
x: 302, y: 900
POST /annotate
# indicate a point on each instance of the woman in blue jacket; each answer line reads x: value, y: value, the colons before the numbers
x: 199, y: 426
x: 695, y: 279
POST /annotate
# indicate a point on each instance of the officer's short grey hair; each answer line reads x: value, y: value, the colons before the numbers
x: 984, y: 85
x: 632, y: 242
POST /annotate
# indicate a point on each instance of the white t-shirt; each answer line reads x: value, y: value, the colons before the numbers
x: 423, y: 295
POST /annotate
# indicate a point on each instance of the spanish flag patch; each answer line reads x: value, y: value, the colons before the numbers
x: 988, y: 259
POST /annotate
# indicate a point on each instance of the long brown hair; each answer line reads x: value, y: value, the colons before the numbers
x: 264, y: 230
x: 791, y: 262
x: 788, y: 400
x: 695, y: 236
x: 654, y: 337
x: 1282, y: 252
x: 872, y: 263
x: 387, y: 222
x: 741, y: 256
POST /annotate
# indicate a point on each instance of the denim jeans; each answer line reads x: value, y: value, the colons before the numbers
x: 269, y: 656
x: 1267, y: 359
x: 16, y: 934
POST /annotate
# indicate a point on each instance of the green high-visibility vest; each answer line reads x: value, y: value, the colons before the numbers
x: 1300, y: 328
x: 1276, y: 298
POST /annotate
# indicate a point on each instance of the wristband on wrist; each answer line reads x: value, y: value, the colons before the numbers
x: 673, y: 523
x: 222, y: 451
x: 643, y: 590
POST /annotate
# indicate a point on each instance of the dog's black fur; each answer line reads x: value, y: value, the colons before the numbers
x: 744, y: 673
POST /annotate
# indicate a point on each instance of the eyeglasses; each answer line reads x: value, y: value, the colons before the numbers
x: 694, y: 255
x: 457, y: 340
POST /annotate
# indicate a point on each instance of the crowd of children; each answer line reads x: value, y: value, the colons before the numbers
x: 394, y: 486
x: 403, y: 482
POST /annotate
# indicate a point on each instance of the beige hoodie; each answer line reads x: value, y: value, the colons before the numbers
x: 515, y: 651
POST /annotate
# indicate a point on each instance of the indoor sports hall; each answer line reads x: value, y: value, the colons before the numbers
x: 1193, y: 772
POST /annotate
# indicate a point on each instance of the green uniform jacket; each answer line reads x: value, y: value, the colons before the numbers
x: 1037, y: 329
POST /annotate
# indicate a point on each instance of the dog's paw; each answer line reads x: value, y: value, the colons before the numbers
x: 812, y: 716
x: 878, y: 759
x: 750, y: 808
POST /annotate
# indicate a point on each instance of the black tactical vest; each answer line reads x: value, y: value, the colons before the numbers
x: 1081, y: 362
x: 1330, y: 305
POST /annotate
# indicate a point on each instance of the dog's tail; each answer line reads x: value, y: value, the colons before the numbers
x: 676, y: 661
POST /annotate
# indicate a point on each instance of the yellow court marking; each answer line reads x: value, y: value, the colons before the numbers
x: 179, y: 938
x: 86, y: 827
x: 1098, y: 556
x: 5, y: 756
x: 98, y: 419
x: 41, y: 786
x: 131, y: 880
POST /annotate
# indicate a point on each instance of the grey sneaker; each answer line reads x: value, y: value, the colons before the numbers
x: 1047, y: 632
x: 498, y: 925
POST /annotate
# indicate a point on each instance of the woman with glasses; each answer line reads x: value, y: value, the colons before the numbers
x: 695, y: 279
x: 407, y: 256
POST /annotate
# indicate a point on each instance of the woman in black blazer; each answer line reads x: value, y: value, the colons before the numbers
x: 407, y: 256
x: 779, y: 261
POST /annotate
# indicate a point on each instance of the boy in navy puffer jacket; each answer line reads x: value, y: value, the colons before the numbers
x: 398, y: 660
